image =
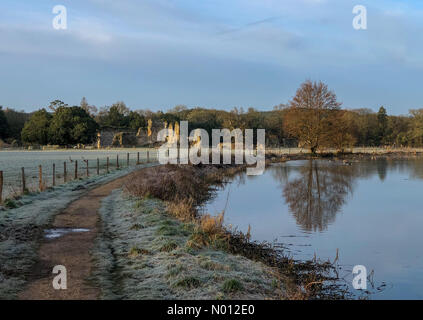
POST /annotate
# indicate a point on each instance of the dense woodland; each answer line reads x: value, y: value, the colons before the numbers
x: 313, y: 118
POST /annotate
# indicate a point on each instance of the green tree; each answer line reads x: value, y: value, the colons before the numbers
x: 4, y: 125
x: 36, y: 130
x: 117, y: 116
x: 136, y: 120
x: 204, y: 119
x: 272, y: 122
x: 16, y: 121
x: 72, y: 125
x: 416, y: 130
x: 382, y: 120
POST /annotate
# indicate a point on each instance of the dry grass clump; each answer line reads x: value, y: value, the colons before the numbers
x: 169, y: 183
x: 209, y: 231
x: 208, y: 264
x: 211, y: 225
x: 135, y: 252
x: 169, y: 246
x: 182, y: 187
x: 183, y: 210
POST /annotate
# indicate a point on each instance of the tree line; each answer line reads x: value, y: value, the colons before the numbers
x: 313, y: 118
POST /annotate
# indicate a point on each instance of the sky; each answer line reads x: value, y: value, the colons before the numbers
x: 155, y: 54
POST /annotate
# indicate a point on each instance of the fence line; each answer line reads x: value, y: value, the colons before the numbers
x: 44, y: 177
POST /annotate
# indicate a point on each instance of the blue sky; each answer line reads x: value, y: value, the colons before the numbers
x: 156, y: 54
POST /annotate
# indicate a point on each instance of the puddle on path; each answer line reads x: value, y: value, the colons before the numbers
x: 60, y: 232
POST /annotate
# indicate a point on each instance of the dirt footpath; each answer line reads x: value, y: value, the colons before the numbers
x: 71, y: 250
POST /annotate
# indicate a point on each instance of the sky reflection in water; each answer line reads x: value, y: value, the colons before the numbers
x: 371, y: 211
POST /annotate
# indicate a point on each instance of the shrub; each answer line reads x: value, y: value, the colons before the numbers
x: 168, y: 183
x: 135, y: 252
x: 10, y: 204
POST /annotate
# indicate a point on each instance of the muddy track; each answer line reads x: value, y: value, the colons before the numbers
x: 72, y: 250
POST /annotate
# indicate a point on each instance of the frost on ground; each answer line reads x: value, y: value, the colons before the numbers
x: 141, y: 253
x: 21, y: 229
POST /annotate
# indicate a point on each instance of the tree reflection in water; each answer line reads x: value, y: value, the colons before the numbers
x: 317, y: 192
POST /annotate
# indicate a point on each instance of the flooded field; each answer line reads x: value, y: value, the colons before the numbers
x: 369, y: 211
x: 11, y: 163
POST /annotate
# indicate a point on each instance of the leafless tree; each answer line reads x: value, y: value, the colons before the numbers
x: 309, y: 114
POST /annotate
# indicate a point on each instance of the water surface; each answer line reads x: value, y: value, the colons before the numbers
x: 371, y: 210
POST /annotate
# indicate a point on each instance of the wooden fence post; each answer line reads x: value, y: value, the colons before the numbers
x: 148, y: 156
x: 76, y: 169
x: 1, y: 186
x: 117, y: 161
x: 54, y: 174
x: 23, y: 180
x: 65, y: 173
x: 127, y: 159
x: 88, y: 173
x: 98, y: 166
x: 40, y: 177
x: 138, y: 158
x: 107, y: 165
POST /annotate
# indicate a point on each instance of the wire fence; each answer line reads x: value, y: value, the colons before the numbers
x: 26, y: 172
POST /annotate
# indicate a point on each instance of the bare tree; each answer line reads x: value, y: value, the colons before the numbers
x: 309, y: 114
x: 91, y: 110
x: 54, y: 105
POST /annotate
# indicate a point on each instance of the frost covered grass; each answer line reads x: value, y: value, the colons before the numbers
x: 183, y: 188
x: 21, y: 228
x: 144, y: 253
x: 11, y: 163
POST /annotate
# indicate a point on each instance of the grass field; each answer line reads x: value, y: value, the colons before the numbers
x: 11, y: 163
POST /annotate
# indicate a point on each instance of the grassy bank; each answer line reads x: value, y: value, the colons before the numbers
x: 158, y: 240
x: 144, y: 253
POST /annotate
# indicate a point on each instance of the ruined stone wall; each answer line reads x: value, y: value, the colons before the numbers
x: 109, y: 137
